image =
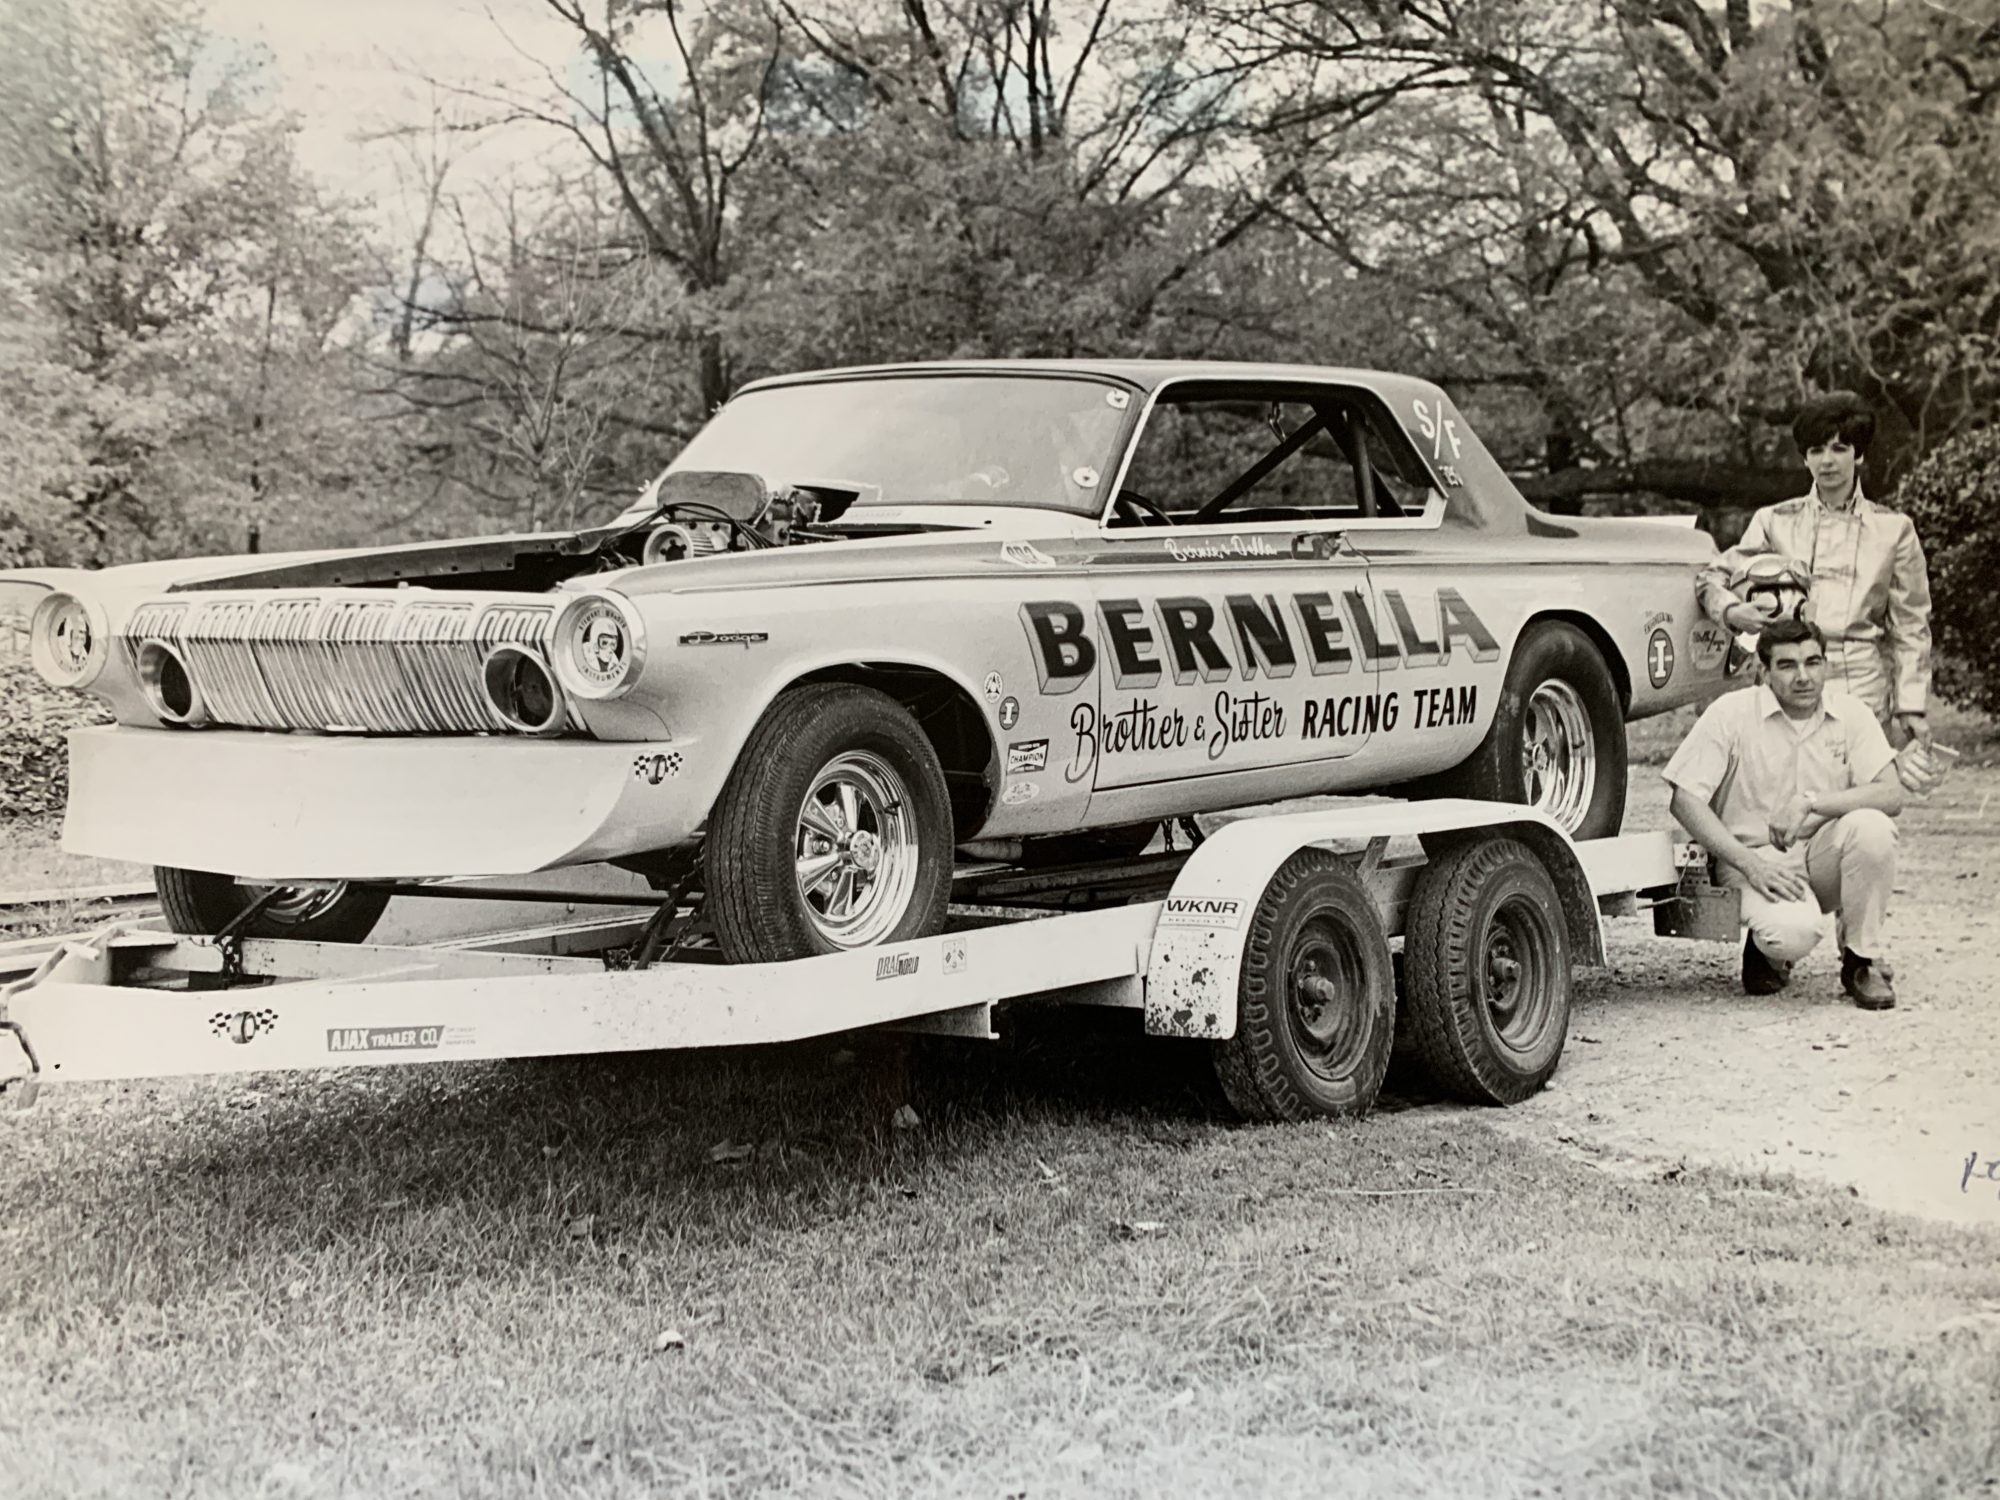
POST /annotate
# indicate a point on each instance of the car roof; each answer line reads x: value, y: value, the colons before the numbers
x: 1143, y: 374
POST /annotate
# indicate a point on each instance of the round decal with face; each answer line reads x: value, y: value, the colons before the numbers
x: 603, y: 646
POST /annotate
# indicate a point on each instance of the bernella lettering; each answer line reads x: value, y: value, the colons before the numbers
x: 1197, y: 639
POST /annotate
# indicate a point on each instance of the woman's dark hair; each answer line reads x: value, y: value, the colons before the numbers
x: 1842, y: 415
x: 1786, y: 633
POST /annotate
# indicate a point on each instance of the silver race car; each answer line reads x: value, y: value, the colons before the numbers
x: 869, y: 617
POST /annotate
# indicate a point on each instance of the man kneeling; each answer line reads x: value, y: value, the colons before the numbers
x: 1790, y: 787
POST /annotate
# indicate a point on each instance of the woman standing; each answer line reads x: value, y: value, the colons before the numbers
x: 1870, y: 595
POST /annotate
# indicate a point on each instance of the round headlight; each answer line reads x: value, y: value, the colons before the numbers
x: 600, y: 644
x: 68, y: 641
x: 169, y: 686
x: 522, y: 692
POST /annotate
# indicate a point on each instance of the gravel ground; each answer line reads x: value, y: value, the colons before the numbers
x: 1670, y: 1063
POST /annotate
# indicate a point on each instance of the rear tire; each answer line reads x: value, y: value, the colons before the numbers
x: 202, y: 904
x: 1557, y: 741
x: 787, y: 876
x: 1316, y: 998
x: 1486, y: 972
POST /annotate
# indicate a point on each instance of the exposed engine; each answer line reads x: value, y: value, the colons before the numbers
x: 683, y: 515
x: 707, y: 512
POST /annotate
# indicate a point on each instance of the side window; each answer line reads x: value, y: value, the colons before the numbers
x: 1192, y: 453
x: 1210, y: 456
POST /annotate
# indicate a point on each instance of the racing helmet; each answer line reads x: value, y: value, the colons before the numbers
x: 1776, y: 584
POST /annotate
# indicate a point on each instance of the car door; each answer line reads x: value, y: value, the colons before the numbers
x: 1235, y: 627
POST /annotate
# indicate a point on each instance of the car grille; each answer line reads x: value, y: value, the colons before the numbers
x: 352, y: 661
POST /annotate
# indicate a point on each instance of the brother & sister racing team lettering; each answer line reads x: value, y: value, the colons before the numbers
x: 1250, y: 636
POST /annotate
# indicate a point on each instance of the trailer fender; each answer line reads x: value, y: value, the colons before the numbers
x: 1197, y: 949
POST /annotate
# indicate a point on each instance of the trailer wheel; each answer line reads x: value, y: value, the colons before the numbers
x: 1486, y: 972
x: 202, y: 904
x: 1316, y: 1009
x: 1557, y: 742
x: 833, y: 831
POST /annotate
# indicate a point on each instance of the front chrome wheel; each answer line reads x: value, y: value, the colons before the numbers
x: 1559, y: 754
x: 856, y: 850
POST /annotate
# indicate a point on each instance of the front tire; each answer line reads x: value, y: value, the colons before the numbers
x: 202, y: 904
x: 833, y: 831
x: 1316, y: 998
x: 1486, y: 972
x: 1557, y: 742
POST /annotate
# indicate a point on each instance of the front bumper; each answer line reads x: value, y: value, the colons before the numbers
x: 279, y: 806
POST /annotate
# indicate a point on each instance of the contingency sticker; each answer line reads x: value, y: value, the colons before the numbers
x: 1024, y: 756
x: 1708, y: 644
x: 1659, y: 658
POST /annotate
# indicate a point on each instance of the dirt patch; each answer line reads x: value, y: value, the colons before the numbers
x: 1669, y: 1063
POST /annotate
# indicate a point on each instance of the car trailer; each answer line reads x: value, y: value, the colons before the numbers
x: 1274, y: 939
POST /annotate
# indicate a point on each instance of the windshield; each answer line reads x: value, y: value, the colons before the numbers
x: 976, y: 439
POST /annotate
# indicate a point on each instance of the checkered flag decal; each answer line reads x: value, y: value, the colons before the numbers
x: 242, y: 1025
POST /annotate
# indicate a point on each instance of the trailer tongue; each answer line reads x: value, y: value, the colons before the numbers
x: 1271, y: 940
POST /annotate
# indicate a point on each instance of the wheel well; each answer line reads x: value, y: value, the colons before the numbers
x: 1614, y: 659
x: 950, y: 720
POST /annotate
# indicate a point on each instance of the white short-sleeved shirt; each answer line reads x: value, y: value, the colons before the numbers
x: 1746, y: 748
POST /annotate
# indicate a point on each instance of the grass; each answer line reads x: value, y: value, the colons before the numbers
x: 733, y: 1275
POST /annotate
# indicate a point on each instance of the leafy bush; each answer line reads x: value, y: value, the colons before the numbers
x: 1954, y: 497
x: 34, y: 762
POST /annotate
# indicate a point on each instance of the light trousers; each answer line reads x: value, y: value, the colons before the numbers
x: 1851, y: 865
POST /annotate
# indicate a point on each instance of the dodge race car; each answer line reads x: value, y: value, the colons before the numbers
x: 868, y: 617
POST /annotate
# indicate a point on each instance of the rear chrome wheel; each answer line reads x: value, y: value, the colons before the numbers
x: 1559, y: 753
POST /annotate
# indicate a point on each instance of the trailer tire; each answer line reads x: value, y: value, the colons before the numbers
x: 1486, y: 972
x: 201, y: 904
x: 1557, y: 741
x: 855, y: 751
x: 1316, y: 1007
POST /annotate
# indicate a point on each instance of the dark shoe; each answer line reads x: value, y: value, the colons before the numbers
x: 1866, y: 982
x: 1762, y: 975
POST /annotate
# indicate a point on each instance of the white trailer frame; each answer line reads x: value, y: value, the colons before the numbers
x: 99, y: 1008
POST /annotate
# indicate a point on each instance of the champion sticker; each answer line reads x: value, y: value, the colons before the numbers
x: 1708, y: 644
x: 1202, y: 911
x: 1659, y: 658
x: 1027, y: 755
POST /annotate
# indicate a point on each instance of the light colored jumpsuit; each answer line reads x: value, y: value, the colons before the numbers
x: 1870, y: 596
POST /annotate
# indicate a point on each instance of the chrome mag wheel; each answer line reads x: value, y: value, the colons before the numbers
x: 1559, y: 754
x: 856, y: 850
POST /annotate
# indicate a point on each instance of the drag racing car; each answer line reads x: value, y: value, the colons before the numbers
x: 867, y: 619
